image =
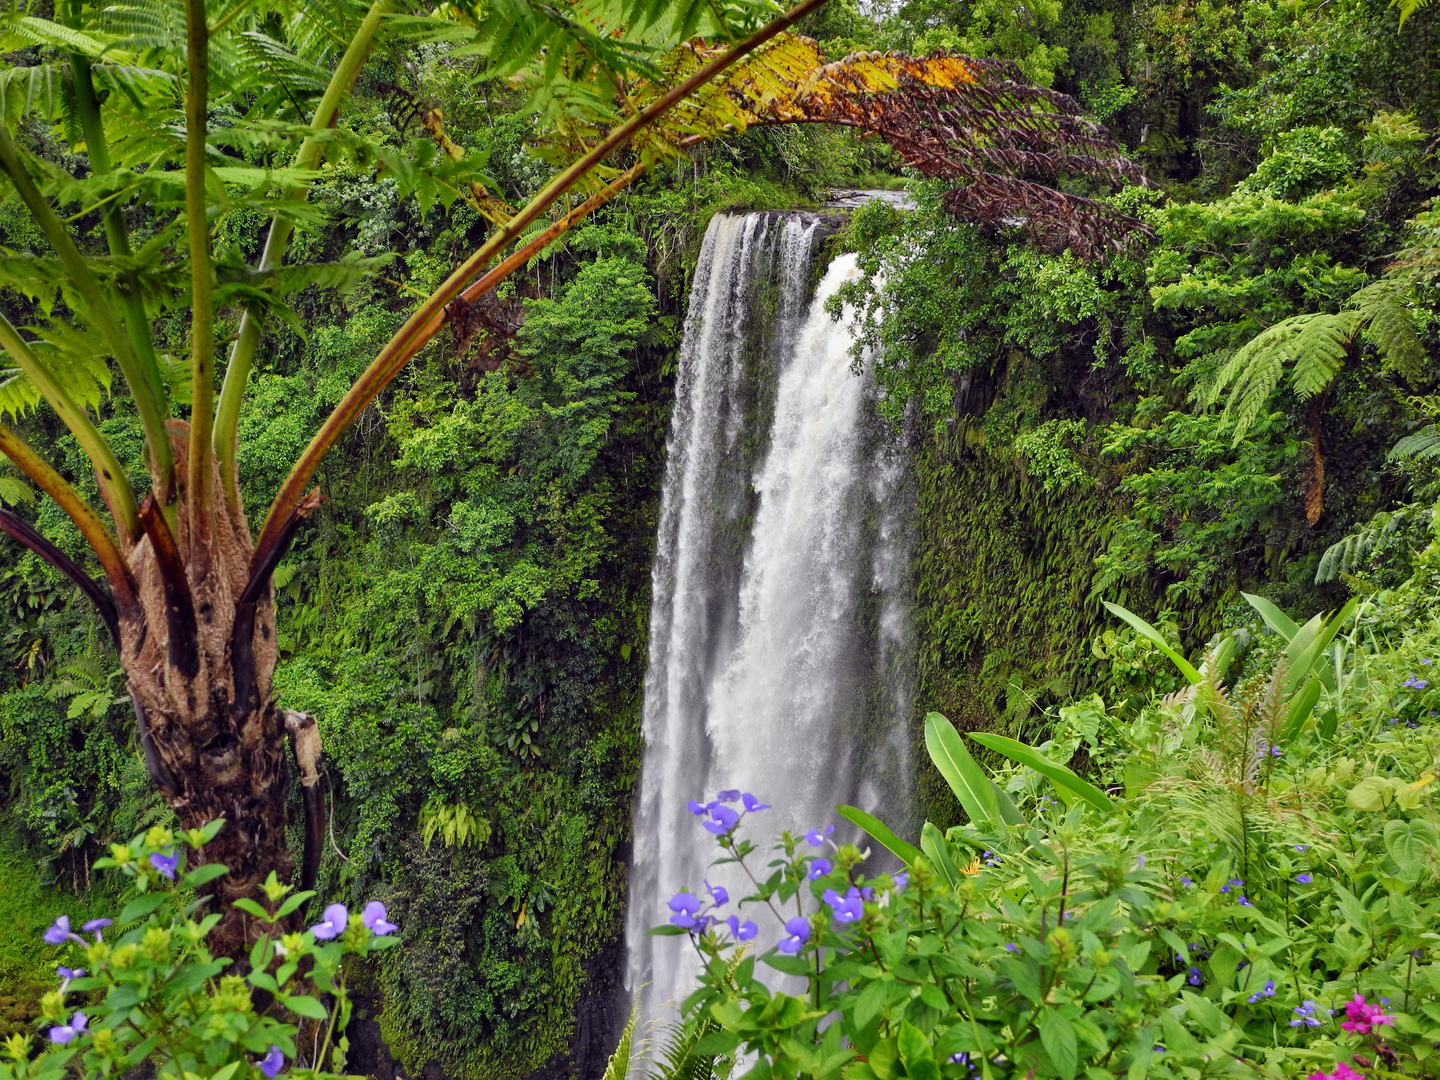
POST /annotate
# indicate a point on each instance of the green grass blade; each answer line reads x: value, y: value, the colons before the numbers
x: 1145, y: 630
x: 880, y: 832
x: 970, y: 785
x: 1057, y: 774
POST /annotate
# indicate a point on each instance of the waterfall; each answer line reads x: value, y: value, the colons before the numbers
x: 778, y: 625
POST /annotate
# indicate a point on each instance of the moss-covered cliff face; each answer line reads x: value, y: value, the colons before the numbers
x: 1003, y: 615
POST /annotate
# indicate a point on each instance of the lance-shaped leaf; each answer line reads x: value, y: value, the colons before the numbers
x: 1060, y: 775
x: 880, y: 832
x: 965, y: 777
x: 1145, y: 630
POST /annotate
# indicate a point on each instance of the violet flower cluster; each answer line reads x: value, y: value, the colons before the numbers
x: 699, y: 915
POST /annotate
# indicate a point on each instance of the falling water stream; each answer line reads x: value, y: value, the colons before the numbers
x: 778, y: 628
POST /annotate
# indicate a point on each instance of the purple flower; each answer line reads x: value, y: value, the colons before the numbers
x: 1186, y: 881
x: 374, y: 919
x: 718, y: 894
x: 1304, y: 879
x: 725, y: 820
x: 1393, y: 720
x: 1275, y: 751
x: 1267, y: 991
x: 95, y: 926
x: 1194, y: 979
x: 1244, y: 902
x: 685, y: 906
x: 818, y: 869
x: 741, y: 931
x: 902, y: 881
x: 815, y: 838
x: 732, y: 795
x: 333, y: 924
x: 1225, y: 887
x: 848, y: 908
x: 1302, y: 847
x: 752, y: 804
x: 1306, y: 1012
x: 70, y: 973
x: 272, y: 1063
x: 65, y: 1032
x: 1011, y: 947
x: 59, y: 931
x: 797, y: 932
x: 696, y: 808
x: 1139, y: 862
x: 165, y: 864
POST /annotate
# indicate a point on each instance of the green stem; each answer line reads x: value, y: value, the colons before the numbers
x: 114, y: 484
x: 202, y: 313
x: 162, y: 467
x: 427, y: 320
x: 137, y: 323
x: 242, y: 355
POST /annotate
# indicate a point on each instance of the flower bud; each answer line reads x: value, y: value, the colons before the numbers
x: 123, y: 958
x: 103, y: 1039
x: 17, y: 1047
x: 156, y: 944
x: 1061, y: 941
x: 52, y: 1007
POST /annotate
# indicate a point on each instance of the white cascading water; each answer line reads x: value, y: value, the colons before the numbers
x: 778, y: 624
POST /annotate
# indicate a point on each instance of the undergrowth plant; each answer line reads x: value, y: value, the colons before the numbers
x: 153, y: 992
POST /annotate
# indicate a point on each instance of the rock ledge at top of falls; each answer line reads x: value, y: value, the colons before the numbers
x: 849, y: 198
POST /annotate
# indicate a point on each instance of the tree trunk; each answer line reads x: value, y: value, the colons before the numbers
x: 199, y: 654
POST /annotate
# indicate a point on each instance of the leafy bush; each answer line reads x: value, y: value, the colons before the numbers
x: 155, y: 994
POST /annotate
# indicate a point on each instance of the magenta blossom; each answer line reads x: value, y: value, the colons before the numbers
x: 1363, y: 1018
x: 1342, y: 1072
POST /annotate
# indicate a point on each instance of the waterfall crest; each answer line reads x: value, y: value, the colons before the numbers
x: 778, y: 625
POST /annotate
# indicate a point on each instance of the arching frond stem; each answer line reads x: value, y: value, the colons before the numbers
x: 521, y: 256
x: 114, y: 484
x: 242, y: 355
x: 117, y: 237
x: 201, y: 493
x: 162, y: 466
x: 427, y: 320
x: 100, y: 539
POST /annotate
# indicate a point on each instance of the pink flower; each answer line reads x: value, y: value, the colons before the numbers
x: 1362, y: 1018
x: 1342, y: 1072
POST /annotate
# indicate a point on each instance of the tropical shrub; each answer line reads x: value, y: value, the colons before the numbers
x: 153, y: 992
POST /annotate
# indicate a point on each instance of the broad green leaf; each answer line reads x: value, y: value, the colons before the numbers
x: 1058, y: 1038
x: 1009, y: 812
x: 306, y: 1006
x: 1145, y: 630
x: 203, y: 874
x: 1301, y: 705
x: 874, y: 827
x: 1411, y: 844
x: 1274, y: 618
x: 1057, y: 774
x: 970, y: 785
x: 933, y: 841
x: 140, y: 907
x: 1307, y: 659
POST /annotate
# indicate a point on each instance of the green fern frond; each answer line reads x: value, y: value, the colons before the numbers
x: 1423, y: 445
x: 14, y: 492
x: 1391, y: 325
x: 1348, y: 555
x: 1319, y: 350
x: 618, y: 1067
x: 1407, y: 8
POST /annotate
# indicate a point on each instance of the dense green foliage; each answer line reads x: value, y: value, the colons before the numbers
x: 466, y: 612
x: 1258, y: 897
